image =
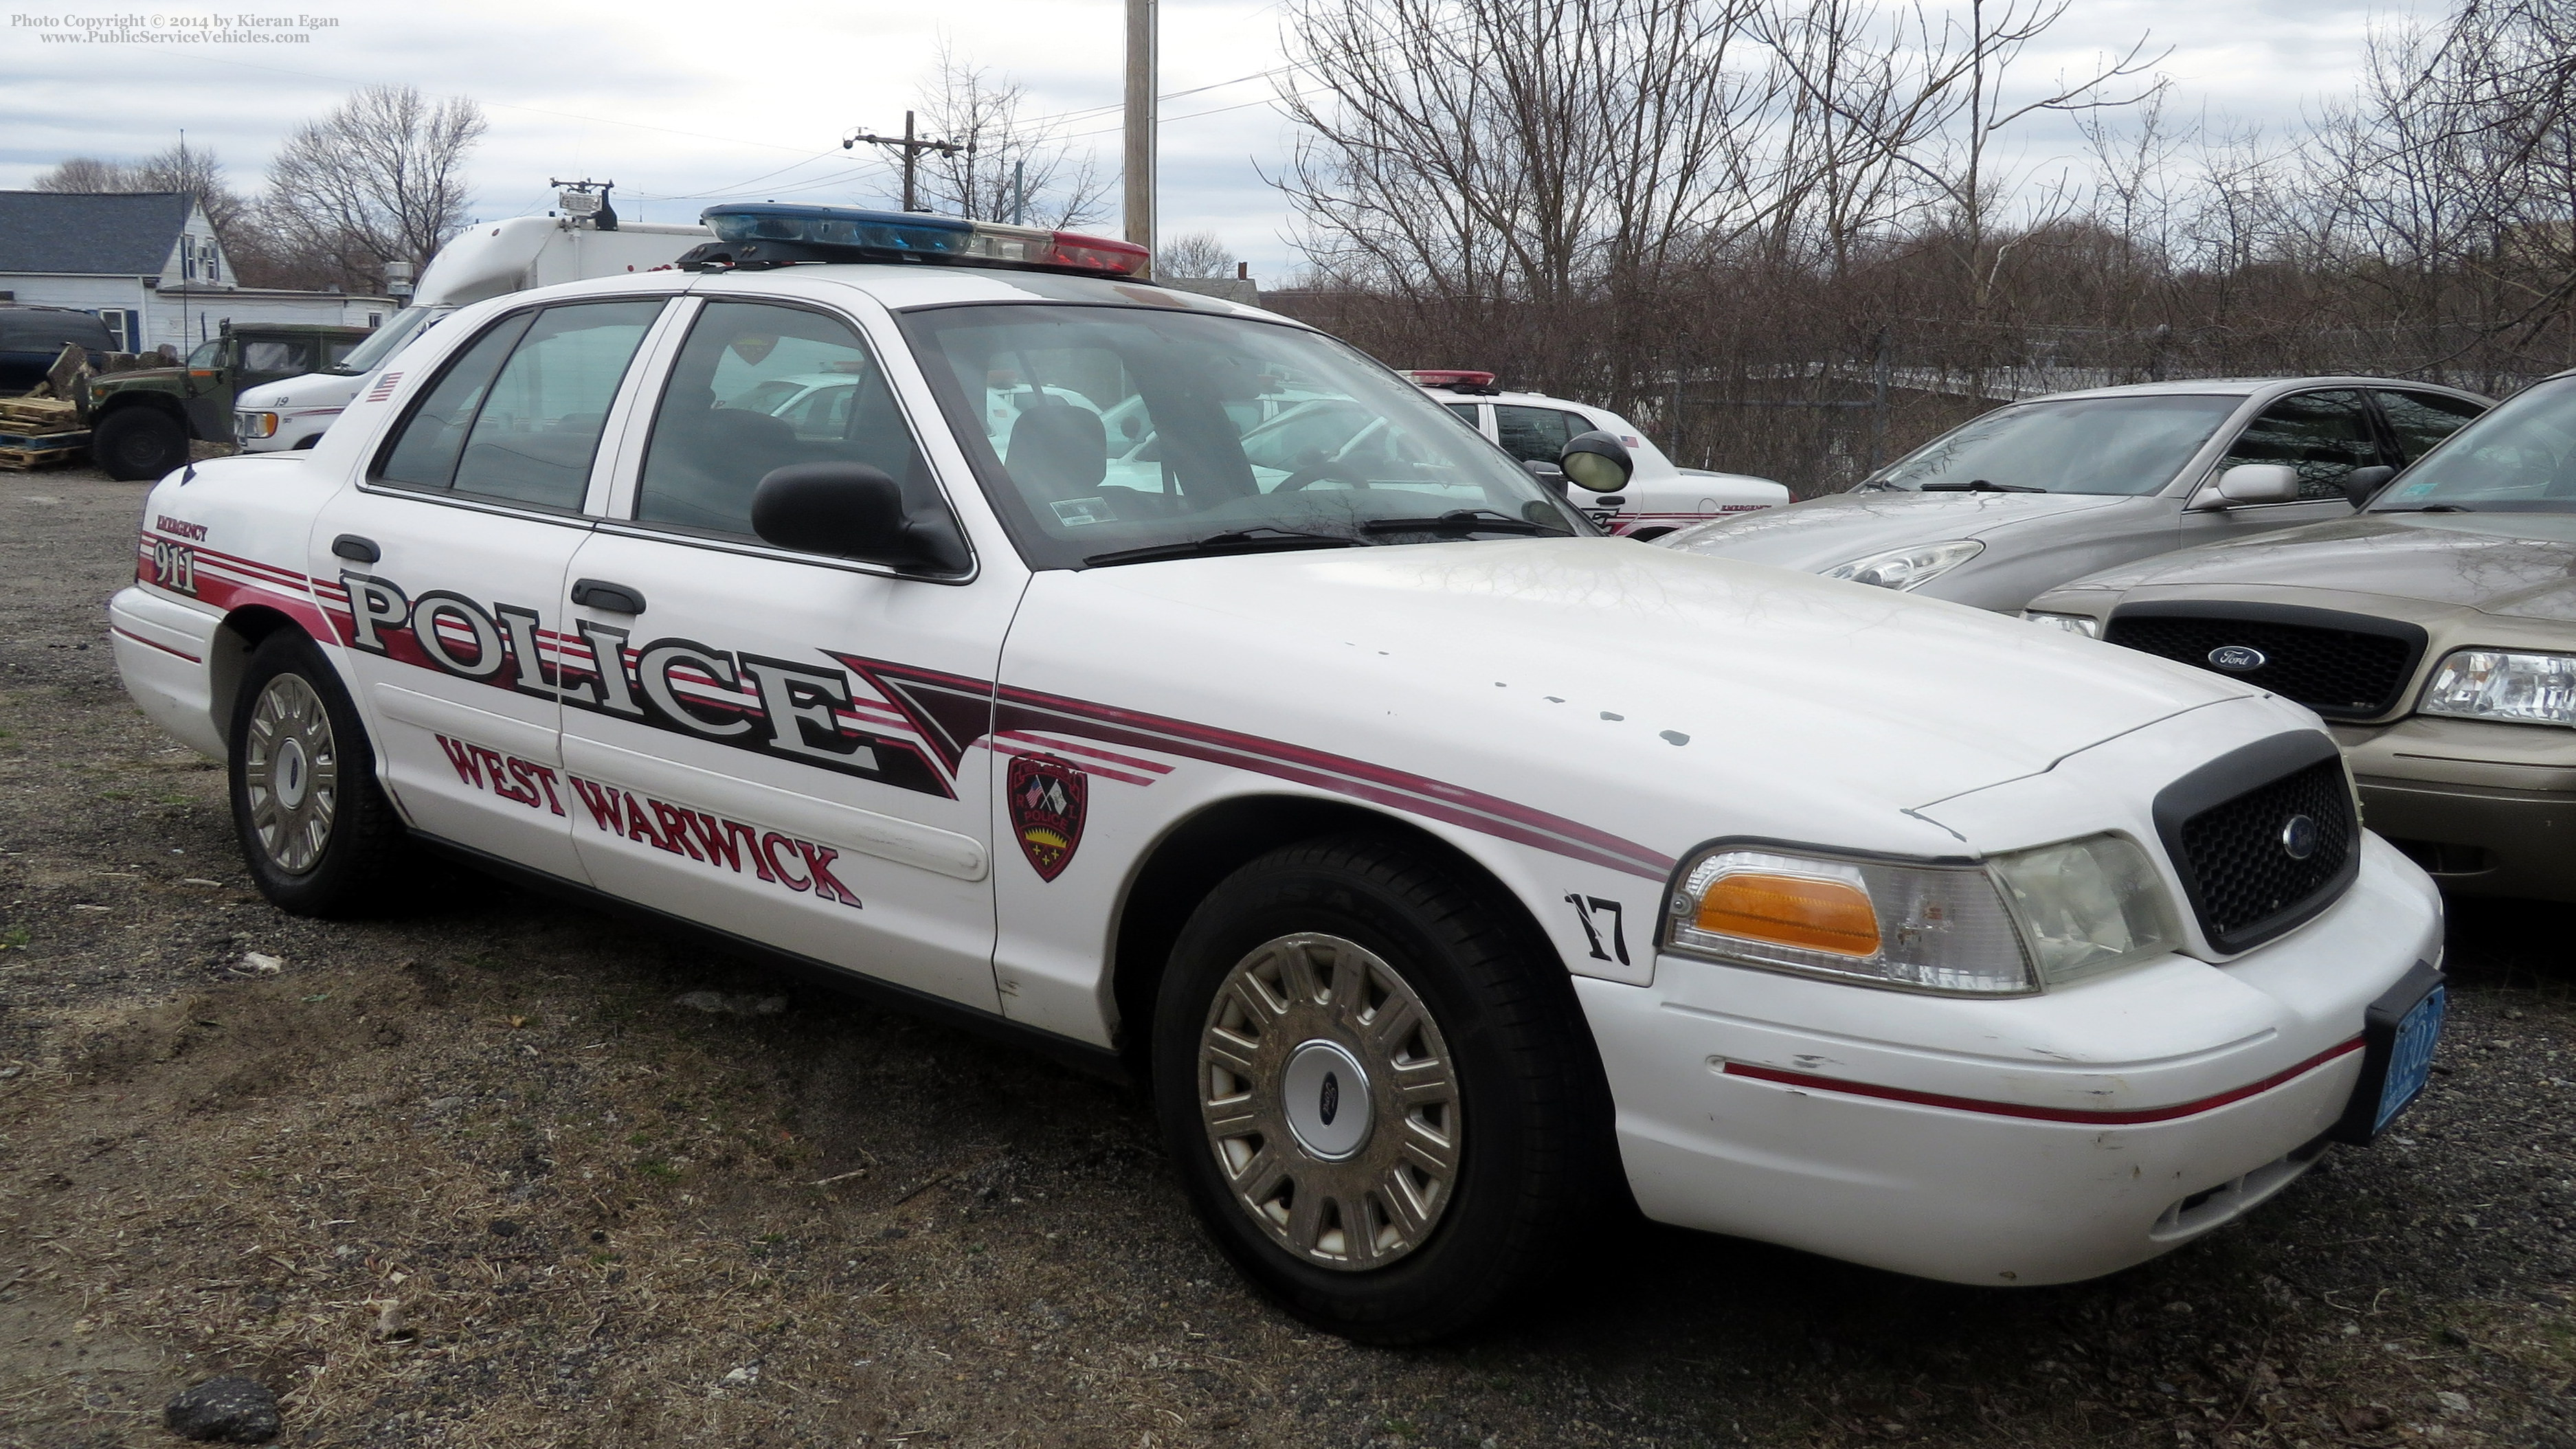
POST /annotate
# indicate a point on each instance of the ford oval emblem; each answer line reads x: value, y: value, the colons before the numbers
x: 2237, y: 658
x: 2298, y: 842
x: 1332, y: 1102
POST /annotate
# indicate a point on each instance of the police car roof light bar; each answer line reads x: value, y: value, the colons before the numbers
x: 1455, y: 379
x: 799, y: 233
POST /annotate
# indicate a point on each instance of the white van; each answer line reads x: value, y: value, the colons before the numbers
x: 491, y: 260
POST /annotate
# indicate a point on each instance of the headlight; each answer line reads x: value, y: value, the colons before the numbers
x: 2088, y: 905
x: 255, y: 425
x: 1926, y: 927
x: 2084, y: 624
x: 2494, y: 684
x: 1908, y: 568
x: 2075, y: 908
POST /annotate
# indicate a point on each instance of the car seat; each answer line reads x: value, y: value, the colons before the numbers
x: 1057, y: 450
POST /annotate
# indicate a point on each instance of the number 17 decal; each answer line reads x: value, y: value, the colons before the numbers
x: 1591, y: 911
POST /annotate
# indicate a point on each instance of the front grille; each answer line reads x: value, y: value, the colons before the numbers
x: 2344, y: 665
x: 2229, y: 828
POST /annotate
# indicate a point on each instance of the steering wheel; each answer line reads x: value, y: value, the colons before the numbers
x: 1316, y: 473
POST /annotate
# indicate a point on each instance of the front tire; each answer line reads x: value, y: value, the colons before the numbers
x: 1375, y: 1088
x: 137, y: 443
x: 319, y: 835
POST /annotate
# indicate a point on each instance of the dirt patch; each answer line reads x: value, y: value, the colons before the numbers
x: 479, y: 1174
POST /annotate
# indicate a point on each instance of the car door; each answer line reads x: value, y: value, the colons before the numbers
x: 788, y: 749
x: 446, y: 567
x: 206, y: 393
x: 2324, y: 433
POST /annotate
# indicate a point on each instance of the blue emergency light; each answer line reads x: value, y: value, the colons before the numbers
x: 771, y: 233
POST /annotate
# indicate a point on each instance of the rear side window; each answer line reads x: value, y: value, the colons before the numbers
x: 517, y: 417
x: 1535, y: 435
x: 2324, y: 435
x: 272, y: 355
x: 759, y: 387
x: 2421, y: 419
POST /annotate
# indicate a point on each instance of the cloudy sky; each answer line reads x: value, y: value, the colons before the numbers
x: 683, y: 104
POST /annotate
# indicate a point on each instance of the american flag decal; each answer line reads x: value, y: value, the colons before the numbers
x: 384, y: 387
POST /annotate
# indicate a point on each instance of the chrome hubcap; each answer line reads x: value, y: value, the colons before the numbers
x: 1330, y: 1101
x: 291, y: 773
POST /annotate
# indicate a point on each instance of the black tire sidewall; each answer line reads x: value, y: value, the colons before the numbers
x: 135, y: 444
x: 351, y: 859
x: 1466, y: 1265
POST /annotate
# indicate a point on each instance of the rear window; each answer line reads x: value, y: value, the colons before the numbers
x: 47, y: 331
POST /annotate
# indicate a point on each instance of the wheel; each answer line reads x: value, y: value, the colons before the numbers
x: 1375, y: 1090
x: 320, y: 836
x: 138, y: 443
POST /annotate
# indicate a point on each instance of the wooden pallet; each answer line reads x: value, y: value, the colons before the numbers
x: 21, y: 460
x: 40, y: 442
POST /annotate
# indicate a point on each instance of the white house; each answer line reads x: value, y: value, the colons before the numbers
x: 148, y: 263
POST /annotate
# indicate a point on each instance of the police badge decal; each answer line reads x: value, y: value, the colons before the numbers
x: 1049, y: 798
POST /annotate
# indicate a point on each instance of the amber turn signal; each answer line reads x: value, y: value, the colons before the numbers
x: 1788, y: 910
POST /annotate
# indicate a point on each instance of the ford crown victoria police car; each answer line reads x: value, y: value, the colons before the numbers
x: 1445, y: 867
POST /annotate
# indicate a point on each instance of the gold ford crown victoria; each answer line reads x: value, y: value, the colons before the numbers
x: 2435, y: 632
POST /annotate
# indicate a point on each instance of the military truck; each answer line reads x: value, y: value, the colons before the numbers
x: 142, y: 422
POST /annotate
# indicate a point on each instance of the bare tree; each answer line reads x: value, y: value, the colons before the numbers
x: 379, y: 179
x: 180, y: 168
x: 1197, y: 254
x: 85, y: 175
x: 1016, y: 169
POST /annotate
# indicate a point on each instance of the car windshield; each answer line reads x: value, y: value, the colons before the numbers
x: 381, y: 344
x: 2520, y: 458
x: 2123, y: 445
x: 1102, y: 430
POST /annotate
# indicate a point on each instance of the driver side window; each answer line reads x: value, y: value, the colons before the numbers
x: 759, y: 387
x: 2324, y: 435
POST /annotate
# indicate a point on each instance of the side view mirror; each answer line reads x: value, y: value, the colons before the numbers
x: 2362, y: 484
x: 1596, y: 463
x: 850, y: 510
x: 2249, y: 483
x: 1549, y: 474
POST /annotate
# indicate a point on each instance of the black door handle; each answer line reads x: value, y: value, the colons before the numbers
x: 358, y: 550
x: 603, y: 595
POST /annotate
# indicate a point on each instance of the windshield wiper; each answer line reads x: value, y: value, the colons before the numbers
x: 1259, y: 539
x: 1978, y: 485
x: 2429, y: 508
x: 1463, y: 520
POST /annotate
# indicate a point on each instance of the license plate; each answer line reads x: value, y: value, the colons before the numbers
x: 2410, y: 1058
x: 2398, y: 1033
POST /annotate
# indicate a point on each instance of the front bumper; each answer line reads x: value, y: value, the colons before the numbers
x: 2037, y: 1140
x: 2489, y: 809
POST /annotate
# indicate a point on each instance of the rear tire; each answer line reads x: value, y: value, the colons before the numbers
x: 137, y: 443
x: 1376, y: 1089
x: 318, y: 833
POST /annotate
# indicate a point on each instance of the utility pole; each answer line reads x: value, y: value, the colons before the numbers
x: 910, y: 148
x: 1019, y: 193
x: 1139, y: 169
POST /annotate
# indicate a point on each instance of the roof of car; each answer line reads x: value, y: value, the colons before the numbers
x: 2242, y: 387
x: 1538, y: 399
x: 914, y: 284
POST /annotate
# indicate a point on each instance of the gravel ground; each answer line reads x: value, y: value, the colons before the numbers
x: 502, y: 1172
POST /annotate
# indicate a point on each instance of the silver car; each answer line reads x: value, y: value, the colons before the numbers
x: 2030, y: 495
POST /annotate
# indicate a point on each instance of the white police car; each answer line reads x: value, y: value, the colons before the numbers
x: 1656, y: 498
x: 1446, y: 868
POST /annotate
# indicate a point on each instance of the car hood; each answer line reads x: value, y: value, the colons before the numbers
x: 1564, y: 672
x: 315, y: 388
x: 1819, y: 533
x: 2518, y: 565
